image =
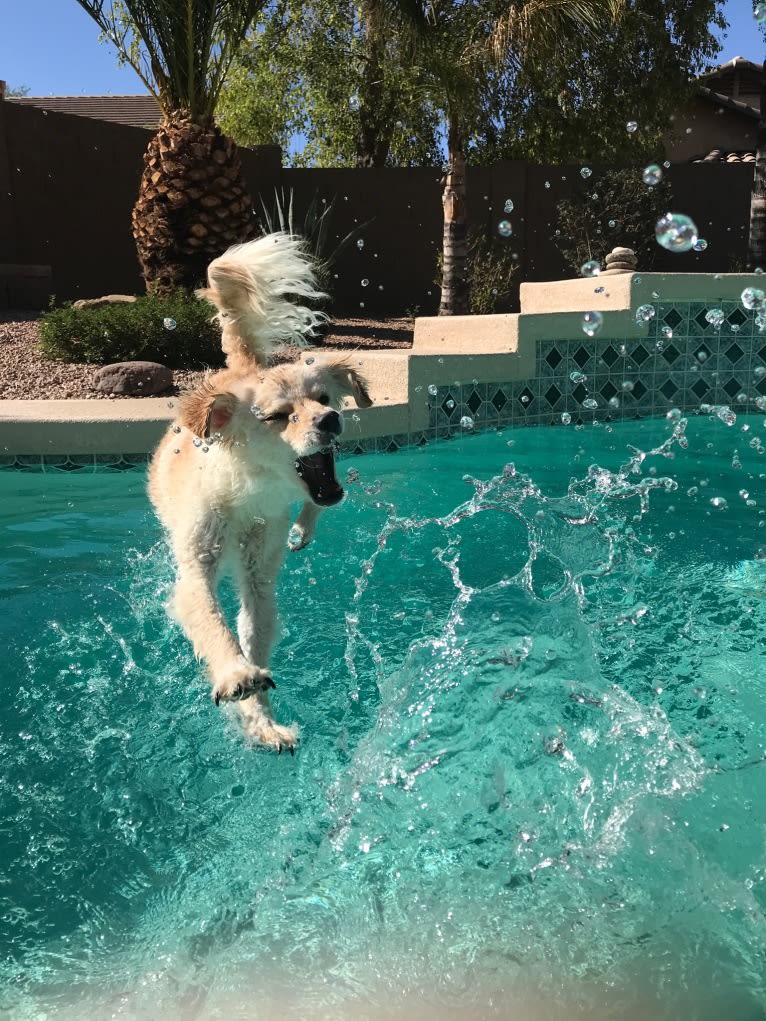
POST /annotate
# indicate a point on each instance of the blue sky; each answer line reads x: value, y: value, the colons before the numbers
x: 52, y: 47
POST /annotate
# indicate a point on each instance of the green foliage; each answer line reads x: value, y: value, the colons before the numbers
x: 302, y: 80
x: 135, y: 331
x: 574, y: 105
x: 613, y: 209
x: 180, y: 51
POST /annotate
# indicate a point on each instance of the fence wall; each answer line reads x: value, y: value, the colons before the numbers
x: 68, y: 184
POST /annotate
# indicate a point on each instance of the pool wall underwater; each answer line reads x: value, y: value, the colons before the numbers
x: 481, y: 372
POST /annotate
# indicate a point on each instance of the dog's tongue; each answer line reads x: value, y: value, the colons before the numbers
x: 318, y: 472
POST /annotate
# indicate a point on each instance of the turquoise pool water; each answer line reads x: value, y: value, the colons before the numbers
x: 532, y: 779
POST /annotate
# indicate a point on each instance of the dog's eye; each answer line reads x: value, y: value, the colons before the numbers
x: 323, y: 399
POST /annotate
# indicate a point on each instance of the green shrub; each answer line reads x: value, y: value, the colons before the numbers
x: 612, y: 209
x: 139, y: 330
x: 490, y: 268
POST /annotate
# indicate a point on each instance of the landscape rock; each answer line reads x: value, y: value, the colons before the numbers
x: 135, y: 379
x: 107, y: 299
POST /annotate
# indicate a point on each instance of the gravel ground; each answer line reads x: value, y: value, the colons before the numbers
x: 27, y: 375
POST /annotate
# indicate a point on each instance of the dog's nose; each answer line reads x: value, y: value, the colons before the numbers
x: 329, y: 422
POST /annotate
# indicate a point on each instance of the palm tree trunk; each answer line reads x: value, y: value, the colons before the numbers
x: 756, y: 250
x: 454, y: 299
x: 192, y: 204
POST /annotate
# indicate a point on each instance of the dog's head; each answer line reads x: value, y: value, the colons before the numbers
x: 288, y: 411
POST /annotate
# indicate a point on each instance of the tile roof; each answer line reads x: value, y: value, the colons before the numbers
x: 136, y: 111
x: 721, y: 156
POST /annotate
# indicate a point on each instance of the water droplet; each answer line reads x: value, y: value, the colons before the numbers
x: 566, y: 418
x: 466, y: 422
x: 508, y: 207
x: 585, y: 173
x: 716, y: 318
x: 169, y: 324
x: 197, y: 441
x: 753, y: 298
x: 645, y: 314
x: 700, y: 245
x: 504, y: 229
x: 652, y: 175
x: 631, y: 127
x: 591, y: 268
x: 592, y: 323
x: 726, y: 415
x: 676, y: 232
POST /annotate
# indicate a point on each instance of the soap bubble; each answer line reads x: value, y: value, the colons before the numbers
x: 715, y: 317
x: 578, y: 377
x: 700, y: 245
x: 590, y: 403
x: 466, y: 422
x: 504, y: 229
x: 433, y: 389
x: 591, y: 268
x: 753, y: 297
x: 365, y: 282
x: 585, y: 173
x: 592, y: 323
x: 759, y: 13
x: 169, y: 324
x: 360, y: 244
x: 676, y: 232
x: 645, y: 314
x: 566, y: 418
x: 652, y: 174
x: 508, y: 207
x: 631, y: 127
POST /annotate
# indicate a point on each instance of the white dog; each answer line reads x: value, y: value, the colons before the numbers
x: 245, y: 446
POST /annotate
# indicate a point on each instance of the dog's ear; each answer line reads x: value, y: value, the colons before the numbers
x: 349, y: 381
x: 207, y: 413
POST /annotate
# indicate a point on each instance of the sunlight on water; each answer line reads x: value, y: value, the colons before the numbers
x: 530, y: 689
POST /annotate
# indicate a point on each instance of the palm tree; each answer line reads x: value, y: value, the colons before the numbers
x: 756, y: 249
x: 467, y: 43
x: 193, y: 201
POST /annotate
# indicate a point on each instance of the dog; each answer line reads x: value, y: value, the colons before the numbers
x: 245, y: 446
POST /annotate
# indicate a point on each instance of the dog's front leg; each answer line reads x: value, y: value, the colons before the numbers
x: 196, y: 608
x: 305, y: 526
x: 259, y: 559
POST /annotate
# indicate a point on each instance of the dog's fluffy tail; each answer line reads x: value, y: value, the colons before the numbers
x: 253, y: 286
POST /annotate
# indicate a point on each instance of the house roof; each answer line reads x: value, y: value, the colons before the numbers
x: 136, y: 111
x: 721, y: 156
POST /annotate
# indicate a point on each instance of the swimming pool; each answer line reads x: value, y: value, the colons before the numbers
x: 532, y: 775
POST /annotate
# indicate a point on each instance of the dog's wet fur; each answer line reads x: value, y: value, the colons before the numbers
x: 245, y: 446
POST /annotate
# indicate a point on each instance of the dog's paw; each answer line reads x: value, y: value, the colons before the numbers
x: 298, y: 538
x: 263, y: 729
x: 241, y: 682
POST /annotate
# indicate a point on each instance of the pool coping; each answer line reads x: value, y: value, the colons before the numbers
x: 446, y: 351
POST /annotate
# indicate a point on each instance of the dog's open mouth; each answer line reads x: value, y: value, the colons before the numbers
x: 318, y: 472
